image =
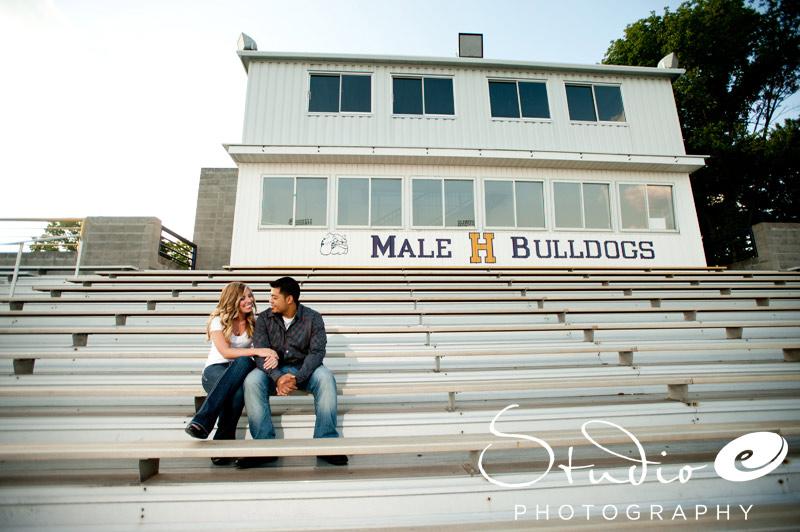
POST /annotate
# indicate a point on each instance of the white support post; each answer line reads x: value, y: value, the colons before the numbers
x: 80, y: 255
x: 16, y: 269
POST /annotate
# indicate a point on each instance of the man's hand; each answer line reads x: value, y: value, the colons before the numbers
x: 286, y: 384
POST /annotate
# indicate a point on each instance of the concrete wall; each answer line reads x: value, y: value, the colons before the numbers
x: 213, y: 223
x: 117, y: 241
x: 778, y: 247
x: 42, y: 259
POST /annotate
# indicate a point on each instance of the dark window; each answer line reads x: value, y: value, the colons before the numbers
x: 356, y: 94
x: 595, y: 102
x: 417, y: 96
x: 514, y: 99
x: 438, y: 96
x: 503, y: 99
x: 407, y: 96
x: 609, y: 103
x: 580, y: 103
x: 324, y: 95
x: 533, y: 99
x: 332, y: 93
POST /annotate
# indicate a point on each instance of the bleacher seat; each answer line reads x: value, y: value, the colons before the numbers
x: 102, y: 372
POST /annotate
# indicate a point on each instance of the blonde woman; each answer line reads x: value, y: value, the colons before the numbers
x: 230, y: 330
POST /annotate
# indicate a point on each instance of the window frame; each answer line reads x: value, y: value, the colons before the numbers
x: 648, y: 229
x: 339, y: 74
x: 422, y: 77
x: 369, y: 203
x: 516, y: 226
x: 444, y: 225
x: 516, y: 82
x: 611, y: 204
x: 592, y: 85
x: 264, y: 178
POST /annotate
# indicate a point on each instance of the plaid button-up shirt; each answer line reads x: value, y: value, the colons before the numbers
x: 301, y: 346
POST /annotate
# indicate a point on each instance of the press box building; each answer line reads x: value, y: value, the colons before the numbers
x: 357, y: 160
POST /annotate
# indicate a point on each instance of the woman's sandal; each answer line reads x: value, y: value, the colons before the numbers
x: 196, y: 431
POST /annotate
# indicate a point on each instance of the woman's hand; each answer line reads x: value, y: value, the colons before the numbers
x: 270, y: 357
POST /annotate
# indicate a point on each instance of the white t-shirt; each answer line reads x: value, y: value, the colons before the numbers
x: 237, y: 342
x: 287, y: 322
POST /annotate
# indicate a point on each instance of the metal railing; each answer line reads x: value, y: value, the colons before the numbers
x: 177, y: 249
x: 731, y: 248
x: 35, y: 241
x: 66, y: 233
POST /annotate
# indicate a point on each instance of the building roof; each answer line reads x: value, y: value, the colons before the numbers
x: 248, y: 56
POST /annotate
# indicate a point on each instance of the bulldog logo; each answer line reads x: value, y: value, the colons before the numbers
x: 334, y: 244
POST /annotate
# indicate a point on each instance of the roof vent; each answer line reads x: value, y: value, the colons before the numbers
x: 668, y: 61
x: 470, y: 45
x: 246, y: 43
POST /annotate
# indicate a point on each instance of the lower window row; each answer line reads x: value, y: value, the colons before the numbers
x: 437, y: 202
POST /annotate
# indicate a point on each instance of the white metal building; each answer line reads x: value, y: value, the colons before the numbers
x: 351, y: 160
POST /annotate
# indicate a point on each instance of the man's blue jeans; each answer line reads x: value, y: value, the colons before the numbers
x: 223, y: 383
x: 258, y: 387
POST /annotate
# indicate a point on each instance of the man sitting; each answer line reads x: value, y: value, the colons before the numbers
x: 297, y: 334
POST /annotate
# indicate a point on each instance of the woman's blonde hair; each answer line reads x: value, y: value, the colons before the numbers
x: 228, y: 310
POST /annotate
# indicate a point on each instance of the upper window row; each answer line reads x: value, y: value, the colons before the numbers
x: 352, y: 93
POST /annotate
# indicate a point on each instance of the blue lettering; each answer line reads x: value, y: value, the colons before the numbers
x: 616, y: 249
x: 383, y: 248
x: 651, y: 253
x: 406, y: 248
x: 572, y: 254
x: 539, y: 253
x: 422, y: 254
x: 520, y: 243
x: 589, y: 254
x: 634, y: 253
x: 441, y: 244
x: 555, y: 247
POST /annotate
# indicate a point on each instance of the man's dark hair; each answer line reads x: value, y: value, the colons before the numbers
x: 288, y: 287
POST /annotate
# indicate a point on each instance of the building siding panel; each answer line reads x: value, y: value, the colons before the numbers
x: 276, y: 113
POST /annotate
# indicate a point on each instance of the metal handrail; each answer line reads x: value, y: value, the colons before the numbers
x: 171, y: 250
x: 22, y: 243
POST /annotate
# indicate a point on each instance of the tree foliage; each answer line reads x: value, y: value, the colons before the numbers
x: 58, y: 228
x: 742, y: 61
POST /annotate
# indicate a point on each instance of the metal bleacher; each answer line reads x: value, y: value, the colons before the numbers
x: 101, y: 373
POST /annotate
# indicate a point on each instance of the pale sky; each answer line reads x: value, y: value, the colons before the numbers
x: 111, y: 108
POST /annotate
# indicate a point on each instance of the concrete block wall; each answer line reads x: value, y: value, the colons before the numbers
x: 778, y: 247
x: 128, y: 241
x: 213, y: 222
x: 40, y: 258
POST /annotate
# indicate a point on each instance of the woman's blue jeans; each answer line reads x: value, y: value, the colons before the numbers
x: 258, y: 387
x: 225, y: 400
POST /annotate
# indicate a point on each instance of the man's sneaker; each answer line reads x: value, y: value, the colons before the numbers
x: 335, y: 459
x: 196, y: 431
x: 253, y: 461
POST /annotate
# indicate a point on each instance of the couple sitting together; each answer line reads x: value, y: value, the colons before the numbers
x: 252, y: 358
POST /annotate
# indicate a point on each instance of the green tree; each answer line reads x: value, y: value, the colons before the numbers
x: 58, y: 228
x: 742, y: 61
